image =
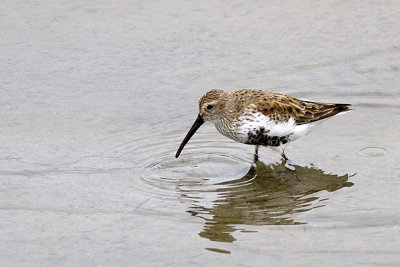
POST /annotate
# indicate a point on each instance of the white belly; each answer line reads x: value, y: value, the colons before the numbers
x: 261, y: 129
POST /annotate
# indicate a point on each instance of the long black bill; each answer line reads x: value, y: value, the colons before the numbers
x: 196, y: 125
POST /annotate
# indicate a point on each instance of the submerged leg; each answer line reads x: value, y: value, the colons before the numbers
x: 256, y: 153
x: 286, y: 161
x: 281, y: 151
x: 284, y: 156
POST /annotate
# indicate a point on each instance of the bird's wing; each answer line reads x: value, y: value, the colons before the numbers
x: 281, y: 108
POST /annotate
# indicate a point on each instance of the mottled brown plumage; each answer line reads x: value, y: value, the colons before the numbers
x: 282, y: 107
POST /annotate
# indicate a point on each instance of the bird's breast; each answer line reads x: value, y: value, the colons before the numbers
x: 259, y: 129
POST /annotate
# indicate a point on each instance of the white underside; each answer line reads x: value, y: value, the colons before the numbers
x: 271, y: 128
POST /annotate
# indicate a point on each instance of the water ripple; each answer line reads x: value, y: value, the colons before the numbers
x: 216, y: 180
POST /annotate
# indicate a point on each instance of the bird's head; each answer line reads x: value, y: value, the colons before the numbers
x: 212, y: 105
x: 211, y: 108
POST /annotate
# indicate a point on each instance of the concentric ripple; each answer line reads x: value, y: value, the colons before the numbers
x: 205, y: 161
x: 372, y: 151
x: 216, y: 180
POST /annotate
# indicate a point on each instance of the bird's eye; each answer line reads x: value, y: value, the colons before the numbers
x: 210, y: 107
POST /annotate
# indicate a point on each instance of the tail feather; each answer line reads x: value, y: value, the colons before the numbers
x: 318, y: 111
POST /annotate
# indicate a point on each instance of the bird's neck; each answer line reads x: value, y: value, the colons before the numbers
x: 229, y: 115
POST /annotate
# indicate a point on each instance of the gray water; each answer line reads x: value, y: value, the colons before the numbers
x: 96, y: 97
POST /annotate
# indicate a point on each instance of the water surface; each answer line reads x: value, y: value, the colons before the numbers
x: 97, y: 96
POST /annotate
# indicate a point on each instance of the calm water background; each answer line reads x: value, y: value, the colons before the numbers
x: 97, y: 95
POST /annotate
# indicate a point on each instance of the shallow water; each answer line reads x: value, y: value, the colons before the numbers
x: 96, y: 98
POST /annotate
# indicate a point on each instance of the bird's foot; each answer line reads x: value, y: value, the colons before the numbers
x: 288, y: 164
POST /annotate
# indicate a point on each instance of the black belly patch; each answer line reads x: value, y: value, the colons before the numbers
x: 261, y: 137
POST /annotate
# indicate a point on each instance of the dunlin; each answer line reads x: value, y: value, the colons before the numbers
x: 260, y: 118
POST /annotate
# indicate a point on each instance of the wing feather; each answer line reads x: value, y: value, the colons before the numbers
x: 281, y: 107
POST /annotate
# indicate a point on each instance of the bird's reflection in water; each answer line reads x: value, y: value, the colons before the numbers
x: 266, y: 195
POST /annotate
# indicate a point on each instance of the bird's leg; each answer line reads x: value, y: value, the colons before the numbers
x: 287, y: 162
x: 284, y: 156
x: 256, y: 153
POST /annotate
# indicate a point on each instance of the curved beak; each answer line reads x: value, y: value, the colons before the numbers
x: 196, y: 125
